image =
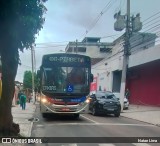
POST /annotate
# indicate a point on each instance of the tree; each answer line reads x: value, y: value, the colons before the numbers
x: 20, y: 21
x: 27, y: 80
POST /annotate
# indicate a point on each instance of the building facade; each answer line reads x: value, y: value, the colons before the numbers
x: 92, y: 47
x: 143, y: 78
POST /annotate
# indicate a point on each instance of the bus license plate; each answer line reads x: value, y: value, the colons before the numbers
x: 110, y: 109
x: 65, y: 109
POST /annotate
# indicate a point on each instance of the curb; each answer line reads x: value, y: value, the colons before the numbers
x: 30, y: 130
x: 158, y: 125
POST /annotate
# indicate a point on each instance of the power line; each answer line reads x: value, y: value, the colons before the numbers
x: 110, y: 5
x: 27, y: 66
x: 98, y: 17
x: 58, y: 45
x: 147, y: 44
x: 104, y: 10
x: 113, y: 56
x: 117, y: 56
x: 119, y: 7
x: 133, y: 39
x: 51, y: 46
x: 151, y: 16
x: 111, y: 35
x: 151, y: 24
x: 51, y: 42
x: 144, y: 42
x: 154, y: 28
x: 48, y: 45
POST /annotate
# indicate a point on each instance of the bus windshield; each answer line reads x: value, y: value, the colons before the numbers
x: 65, y: 79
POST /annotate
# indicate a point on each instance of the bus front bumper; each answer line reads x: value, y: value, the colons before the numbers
x: 65, y: 109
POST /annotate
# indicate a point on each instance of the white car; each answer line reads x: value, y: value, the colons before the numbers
x: 126, y: 102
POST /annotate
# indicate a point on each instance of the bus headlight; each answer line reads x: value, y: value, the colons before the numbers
x: 44, y: 100
x: 87, y: 100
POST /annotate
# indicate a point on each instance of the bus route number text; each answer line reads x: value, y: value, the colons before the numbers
x: 49, y: 88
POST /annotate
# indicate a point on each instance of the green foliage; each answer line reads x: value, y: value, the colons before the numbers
x: 27, y: 80
x: 20, y: 20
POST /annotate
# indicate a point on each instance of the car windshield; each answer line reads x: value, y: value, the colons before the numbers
x: 106, y: 95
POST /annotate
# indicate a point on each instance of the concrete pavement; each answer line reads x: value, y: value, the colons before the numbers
x: 22, y: 117
x: 148, y: 114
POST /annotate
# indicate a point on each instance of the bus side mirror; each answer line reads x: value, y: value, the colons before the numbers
x: 91, y: 78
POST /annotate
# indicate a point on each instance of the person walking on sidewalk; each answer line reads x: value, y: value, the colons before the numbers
x: 23, y: 101
x: 19, y: 99
x: 127, y: 93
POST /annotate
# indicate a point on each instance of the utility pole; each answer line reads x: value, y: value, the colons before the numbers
x: 126, y: 56
x: 76, y: 46
x: 133, y: 25
x: 34, y: 72
x: 33, y: 86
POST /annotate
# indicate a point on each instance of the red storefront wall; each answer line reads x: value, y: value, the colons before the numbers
x: 93, y: 86
x: 144, y: 84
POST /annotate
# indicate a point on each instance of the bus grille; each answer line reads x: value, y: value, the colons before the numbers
x: 66, y: 103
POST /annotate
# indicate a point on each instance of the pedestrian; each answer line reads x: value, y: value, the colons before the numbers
x: 29, y: 98
x: 19, y: 100
x: 23, y: 101
x: 127, y: 93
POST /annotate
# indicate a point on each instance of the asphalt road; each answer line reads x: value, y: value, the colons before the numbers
x: 90, y: 126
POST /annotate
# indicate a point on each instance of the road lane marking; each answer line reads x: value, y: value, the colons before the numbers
x: 106, y: 144
x: 88, y: 119
x: 74, y: 144
x: 39, y: 125
x: 102, y: 124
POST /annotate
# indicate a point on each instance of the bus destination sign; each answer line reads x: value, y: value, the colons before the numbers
x: 67, y: 59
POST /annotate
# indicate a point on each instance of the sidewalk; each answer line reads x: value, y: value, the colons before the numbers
x: 21, y: 117
x: 148, y: 114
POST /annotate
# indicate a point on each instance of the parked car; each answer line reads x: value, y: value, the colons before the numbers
x: 104, y: 103
x: 126, y: 102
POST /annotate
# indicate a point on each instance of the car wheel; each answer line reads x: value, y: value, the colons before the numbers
x: 94, y: 113
x: 76, y: 116
x: 117, y: 114
x: 127, y: 108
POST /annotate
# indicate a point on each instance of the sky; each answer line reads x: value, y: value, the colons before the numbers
x: 68, y: 20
